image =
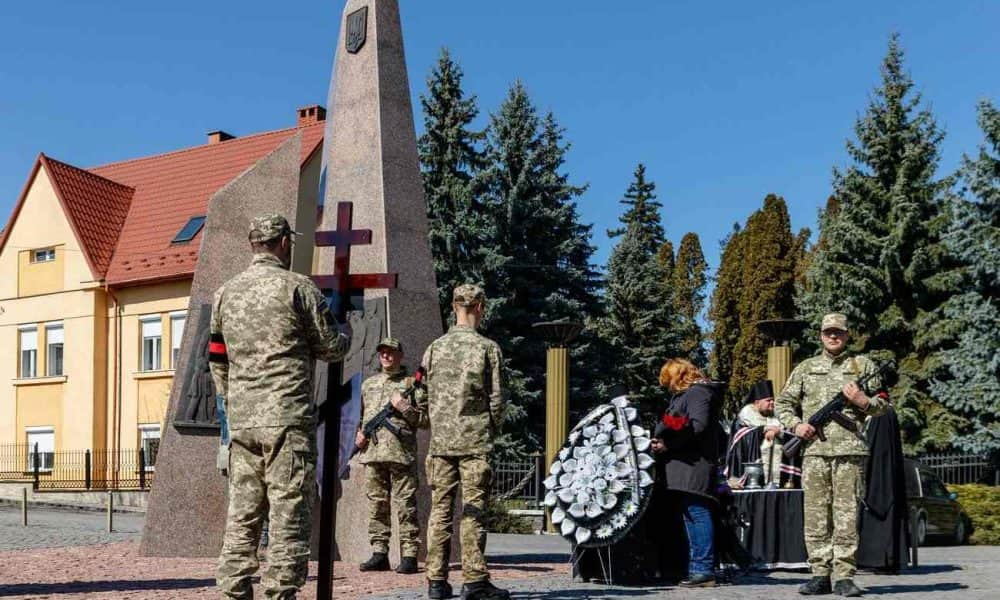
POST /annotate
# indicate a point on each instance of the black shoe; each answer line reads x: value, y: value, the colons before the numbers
x: 439, y: 590
x: 407, y: 565
x: 846, y: 587
x: 703, y: 580
x: 483, y: 590
x: 815, y: 586
x: 378, y: 562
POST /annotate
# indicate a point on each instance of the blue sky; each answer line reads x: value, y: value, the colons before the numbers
x: 725, y: 102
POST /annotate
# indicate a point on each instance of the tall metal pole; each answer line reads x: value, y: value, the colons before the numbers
x: 558, y: 335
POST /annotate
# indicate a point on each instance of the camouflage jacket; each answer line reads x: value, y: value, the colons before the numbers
x: 465, y: 392
x: 268, y: 326
x: 813, y: 383
x: 376, y: 392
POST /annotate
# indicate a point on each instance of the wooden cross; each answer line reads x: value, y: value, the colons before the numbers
x: 342, y: 282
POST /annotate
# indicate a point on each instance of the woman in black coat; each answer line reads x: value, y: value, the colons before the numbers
x: 688, y: 436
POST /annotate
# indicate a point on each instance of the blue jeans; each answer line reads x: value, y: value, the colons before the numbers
x: 700, y: 533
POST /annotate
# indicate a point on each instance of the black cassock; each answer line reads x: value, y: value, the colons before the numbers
x: 883, y: 522
x: 744, y: 447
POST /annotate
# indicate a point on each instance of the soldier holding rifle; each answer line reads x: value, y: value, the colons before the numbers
x: 390, y: 458
x: 832, y: 469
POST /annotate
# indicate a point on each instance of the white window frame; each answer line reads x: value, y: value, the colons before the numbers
x: 153, y: 360
x: 46, y: 451
x: 27, y: 364
x: 55, y: 330
x: 146, y: 432
x: 178, y: 320
x: 40, y: 255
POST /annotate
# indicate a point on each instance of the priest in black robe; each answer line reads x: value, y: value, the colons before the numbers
x: 883, y: 521
x: 756, y: 435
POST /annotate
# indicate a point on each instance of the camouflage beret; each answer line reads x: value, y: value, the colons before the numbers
x: 389, y: 342
x: 468, y: 294
x: 268, y: 227
x: 834, y: 321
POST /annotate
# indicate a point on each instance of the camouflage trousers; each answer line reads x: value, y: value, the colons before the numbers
x: 268, y: 467
x: 444, y: 473
x: 382, y: 481
x: 831, y: 486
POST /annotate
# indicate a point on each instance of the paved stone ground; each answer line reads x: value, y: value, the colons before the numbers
x: 52, y: 528
x: 65, y: 555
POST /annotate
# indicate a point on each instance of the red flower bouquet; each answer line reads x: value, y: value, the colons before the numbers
x: 674, y: 421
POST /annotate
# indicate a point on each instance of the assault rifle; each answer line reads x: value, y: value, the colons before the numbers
x: 834, y: 411
x: 382, y: 418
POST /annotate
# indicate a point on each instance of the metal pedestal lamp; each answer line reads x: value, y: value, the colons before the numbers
x: 557, y: 335
x: 780, y: 332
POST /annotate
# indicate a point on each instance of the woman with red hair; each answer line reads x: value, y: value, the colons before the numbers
x: 688, y: 437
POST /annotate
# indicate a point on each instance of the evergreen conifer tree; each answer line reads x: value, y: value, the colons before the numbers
x: 723, y: 310
x: 536, y: 259
x: 450, y: 159
x: 882, y: 246
x: 971, y: 386
x: 767, y: 290
x: 640, y: 325
x: 689, y: 281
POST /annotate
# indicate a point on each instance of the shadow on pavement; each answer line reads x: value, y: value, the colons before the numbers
x: 616, y: 592
x: 93, y: 587
x: 541, y: 558
x: 904, y: 589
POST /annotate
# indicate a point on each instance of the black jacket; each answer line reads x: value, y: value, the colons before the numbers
x: 693, y: 454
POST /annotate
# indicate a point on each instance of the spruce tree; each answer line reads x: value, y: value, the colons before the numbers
x: 640, y: 325
x: 535, y: 262
x: 450, y: 159
x: 688, y: 284
x: 971, y: 386
x: 882, y: 247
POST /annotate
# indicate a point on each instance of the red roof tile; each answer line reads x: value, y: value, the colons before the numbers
x: 170, y: 189
x: 95, y: 207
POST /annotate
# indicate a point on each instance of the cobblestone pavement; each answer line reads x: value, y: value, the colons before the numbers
x: 53, y: 528
x: 84, y: 565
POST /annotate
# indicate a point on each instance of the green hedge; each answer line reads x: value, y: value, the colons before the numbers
x: 982, y: 504
x: 498, y: 520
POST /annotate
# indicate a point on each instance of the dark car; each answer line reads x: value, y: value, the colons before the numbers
x: 939, y: 514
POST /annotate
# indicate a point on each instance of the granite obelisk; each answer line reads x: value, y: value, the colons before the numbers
x: 370, y: 160
x: 187, y: 507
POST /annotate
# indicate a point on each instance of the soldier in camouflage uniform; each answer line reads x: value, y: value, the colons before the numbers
x: 466, y: 405
x: 268, y: 327
x: 390, y: 460
x: 832, y: 471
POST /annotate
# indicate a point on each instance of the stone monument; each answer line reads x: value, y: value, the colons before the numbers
x: 370, y: 162
x: 187, y: 506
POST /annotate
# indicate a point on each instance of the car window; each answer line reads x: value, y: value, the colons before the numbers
x: 932, y: 486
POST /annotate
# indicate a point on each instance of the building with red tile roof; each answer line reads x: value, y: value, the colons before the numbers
x: 95, y: 281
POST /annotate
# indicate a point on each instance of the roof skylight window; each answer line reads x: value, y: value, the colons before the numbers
x: 191, y: 229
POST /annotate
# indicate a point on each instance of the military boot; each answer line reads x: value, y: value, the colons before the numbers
x: 439, y: 590
x: 846, y: 587
x: 483, y: 590
x: 378, y: 562
x: 815, y: 586
x: 407, y: 565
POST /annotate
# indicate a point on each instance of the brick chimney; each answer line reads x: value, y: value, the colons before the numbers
x: 214, y: 137
x: 314, y: 113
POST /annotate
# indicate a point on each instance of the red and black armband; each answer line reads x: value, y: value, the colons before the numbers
x: 217, y: 349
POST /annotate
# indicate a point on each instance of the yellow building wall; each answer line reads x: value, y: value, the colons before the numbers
x: 144, y: 394
x: 38, y: 406
x: 41, y: 223
x: 40, y: 277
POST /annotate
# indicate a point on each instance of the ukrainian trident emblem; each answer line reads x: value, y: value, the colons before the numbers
x: 357, y: 29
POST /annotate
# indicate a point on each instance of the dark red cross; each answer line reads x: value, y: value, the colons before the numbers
x: 343, y: 237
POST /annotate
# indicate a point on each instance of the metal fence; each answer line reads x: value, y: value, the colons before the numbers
x: 518, y: 483
x: 958, y: 468
x: 77, y: 470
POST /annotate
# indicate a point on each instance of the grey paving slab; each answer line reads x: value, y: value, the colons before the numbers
x: 967, y: 572
x: 54, y: 528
